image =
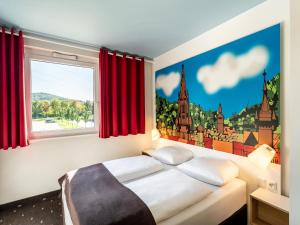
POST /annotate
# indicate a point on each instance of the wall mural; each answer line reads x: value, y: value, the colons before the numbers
x: 226, y: 99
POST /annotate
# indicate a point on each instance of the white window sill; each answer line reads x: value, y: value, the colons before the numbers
x: 66, y: 136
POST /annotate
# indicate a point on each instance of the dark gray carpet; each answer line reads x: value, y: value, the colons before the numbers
x: 43, y: 210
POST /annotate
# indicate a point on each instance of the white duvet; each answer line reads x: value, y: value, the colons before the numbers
x: 168, y: 192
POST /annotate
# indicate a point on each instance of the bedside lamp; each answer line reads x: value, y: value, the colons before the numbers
x: 155, y: 134
x: 262, y: 156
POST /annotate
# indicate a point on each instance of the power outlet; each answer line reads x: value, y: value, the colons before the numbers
x: 272, y: 186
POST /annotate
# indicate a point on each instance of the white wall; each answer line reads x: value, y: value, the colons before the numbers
x: 262, y: 16
x: 294, y: 113
x: 35, y: 169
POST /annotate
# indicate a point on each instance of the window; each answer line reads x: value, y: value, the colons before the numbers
x: 62, y: 97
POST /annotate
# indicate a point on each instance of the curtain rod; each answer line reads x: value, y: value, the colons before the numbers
x: 69, y: 43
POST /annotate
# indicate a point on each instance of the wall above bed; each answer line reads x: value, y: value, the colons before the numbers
x: 256, y: 19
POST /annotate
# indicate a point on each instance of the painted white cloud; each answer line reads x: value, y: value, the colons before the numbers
x: 230, y: 69
x: 168, y: 83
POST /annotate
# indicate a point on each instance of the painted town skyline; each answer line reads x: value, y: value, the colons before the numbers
x: 227, y: 98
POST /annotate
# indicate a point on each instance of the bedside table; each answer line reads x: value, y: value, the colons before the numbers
x: 268, y: 208
x: 148, y: 152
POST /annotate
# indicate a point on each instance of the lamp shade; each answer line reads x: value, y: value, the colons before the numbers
x: 155, y: 134
x: 262, y: 156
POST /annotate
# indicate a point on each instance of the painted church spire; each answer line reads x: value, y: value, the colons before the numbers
x: 183, y: 94
x: 220, y: 120
x: 265, y: 118
x: 265, y: 102
x: 183, y: 120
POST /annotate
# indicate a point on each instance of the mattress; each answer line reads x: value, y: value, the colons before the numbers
x: 213, y: 209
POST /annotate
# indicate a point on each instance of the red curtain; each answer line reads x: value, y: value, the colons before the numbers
x: 12, y: 103
x: 122, y: 95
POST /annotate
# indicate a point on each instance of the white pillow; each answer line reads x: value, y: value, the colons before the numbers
x: 130, y: 168
x: 210, y: 170
x: 172, y: 155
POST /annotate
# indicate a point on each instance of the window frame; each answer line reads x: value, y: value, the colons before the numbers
x: 46, y: 56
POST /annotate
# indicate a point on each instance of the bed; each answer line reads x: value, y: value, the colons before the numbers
x: 173, y: 197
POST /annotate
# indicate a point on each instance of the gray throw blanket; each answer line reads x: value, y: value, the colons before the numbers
x: 95, y: 197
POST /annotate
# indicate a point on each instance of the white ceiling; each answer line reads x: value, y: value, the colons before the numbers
x: 144, y: 27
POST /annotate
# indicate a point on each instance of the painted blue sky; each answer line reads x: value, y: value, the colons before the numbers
x: 247, y: 91
x: 63, y: 80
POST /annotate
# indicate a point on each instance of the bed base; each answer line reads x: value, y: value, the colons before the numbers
x: 238, y: 218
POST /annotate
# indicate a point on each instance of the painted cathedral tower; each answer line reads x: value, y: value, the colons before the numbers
x: 220, y: 120
x: 265, y: 118
x: 183, y: 120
